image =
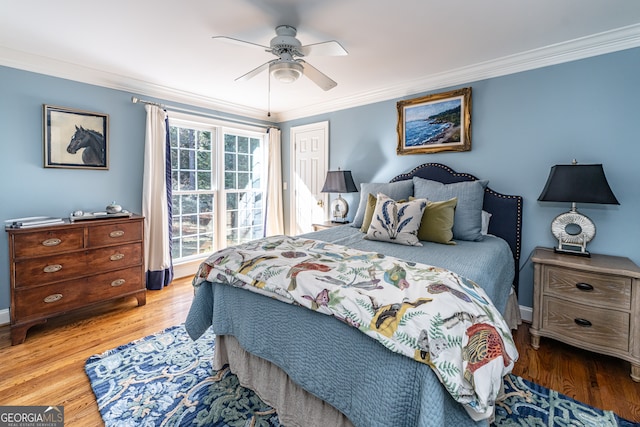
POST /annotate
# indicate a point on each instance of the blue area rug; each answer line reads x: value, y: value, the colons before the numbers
x: 166, y: 379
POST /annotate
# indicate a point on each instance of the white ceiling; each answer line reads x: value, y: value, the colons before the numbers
x: 396, y: 48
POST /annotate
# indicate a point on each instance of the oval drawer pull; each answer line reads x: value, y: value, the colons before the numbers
x: 52, y: 242
x: 584, y: 286
x: 118, y: 282
x: 52, y: 298
x: 117, y: 233
x: 52, y: 268
x: 582, y: 322
x: 116, y: 257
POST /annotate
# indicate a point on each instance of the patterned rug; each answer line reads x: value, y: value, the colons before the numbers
x: 166, y: 379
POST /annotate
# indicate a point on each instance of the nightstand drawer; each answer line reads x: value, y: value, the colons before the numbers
x: 591, y: 325
x: 588, y: 288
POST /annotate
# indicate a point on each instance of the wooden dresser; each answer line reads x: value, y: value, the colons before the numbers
x: 592, y: 303
x: 59, y: 268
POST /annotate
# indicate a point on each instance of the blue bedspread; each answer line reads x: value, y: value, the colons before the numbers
x: 371, y: 385
x: 489, y: 262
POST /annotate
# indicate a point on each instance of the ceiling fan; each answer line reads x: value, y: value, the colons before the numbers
x: 288, y: 67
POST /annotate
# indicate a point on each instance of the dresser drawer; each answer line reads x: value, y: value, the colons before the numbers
x: 607, y: 328
x: 64, y: 296
x: 113, y: 234
x: 54, y: 268
x: 47, y: 242
x: 588, y: 288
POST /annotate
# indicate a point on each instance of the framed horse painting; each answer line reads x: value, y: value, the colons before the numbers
x: 75, y: 139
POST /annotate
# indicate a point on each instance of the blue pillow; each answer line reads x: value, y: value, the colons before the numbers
x: 467, y: 219
x: 394, y: 190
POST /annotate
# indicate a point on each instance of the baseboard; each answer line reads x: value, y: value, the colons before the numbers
x: 526, y: 313
x: 5, y: 319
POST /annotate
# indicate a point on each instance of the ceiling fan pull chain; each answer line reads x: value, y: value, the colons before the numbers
x: 269, y: 95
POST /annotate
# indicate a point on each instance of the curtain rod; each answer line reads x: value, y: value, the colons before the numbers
x: 137, y: 100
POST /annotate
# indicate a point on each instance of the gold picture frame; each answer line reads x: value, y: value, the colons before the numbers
x: 434, y: 123
x: 75, y: 139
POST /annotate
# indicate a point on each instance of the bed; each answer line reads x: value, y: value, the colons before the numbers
x: 316, y: 370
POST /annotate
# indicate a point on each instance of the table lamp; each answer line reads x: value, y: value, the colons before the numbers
x: 576, y: 184
x: 339, y: 182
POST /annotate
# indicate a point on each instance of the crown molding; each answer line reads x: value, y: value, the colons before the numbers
x: 66, y: 70
x: 585, y: 47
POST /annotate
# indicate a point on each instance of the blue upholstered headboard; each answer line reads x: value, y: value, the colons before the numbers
x: 505, y: 210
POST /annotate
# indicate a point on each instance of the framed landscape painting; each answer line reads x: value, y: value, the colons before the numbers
x: 75, y: 139
x: 433, y: 123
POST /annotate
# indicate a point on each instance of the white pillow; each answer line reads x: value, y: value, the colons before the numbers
x: 486, y: 217
x: 396, y: 222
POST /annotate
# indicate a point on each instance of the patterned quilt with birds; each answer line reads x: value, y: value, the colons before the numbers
x: 424, y: 312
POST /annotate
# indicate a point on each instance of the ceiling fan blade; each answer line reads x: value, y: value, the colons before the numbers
x: 254, y: 72
x: 316, y: 76
x: 240, y: 42
x: 330, y: 48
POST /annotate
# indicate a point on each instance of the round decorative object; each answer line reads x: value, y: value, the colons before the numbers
x: 339, y: 208
x: 113, y: 208
x: 573, y: 228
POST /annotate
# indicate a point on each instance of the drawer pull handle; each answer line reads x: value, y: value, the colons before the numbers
x: 52, y: 298
x: 51, y: 242
x: 52, y: 268
x: 582, y: 322
x: 584, y: 287
x: 116, y: 257
x: 117, y: 233
x: 118, y: 282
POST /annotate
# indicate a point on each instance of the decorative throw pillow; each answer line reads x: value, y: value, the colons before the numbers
x: 368, y: 213
x: 467, y: 224
x: 395, y: 190
x: 437, y: 222
x: 396, y: 222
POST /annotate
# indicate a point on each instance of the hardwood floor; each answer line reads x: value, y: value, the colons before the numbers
x: 48, y: 369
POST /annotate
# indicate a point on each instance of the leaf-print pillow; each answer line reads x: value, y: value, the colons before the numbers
x: 396, y: 222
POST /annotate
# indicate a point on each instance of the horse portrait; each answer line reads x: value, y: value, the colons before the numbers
x: 93, y: 144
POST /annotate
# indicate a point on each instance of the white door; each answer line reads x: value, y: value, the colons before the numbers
x: 309, y: 163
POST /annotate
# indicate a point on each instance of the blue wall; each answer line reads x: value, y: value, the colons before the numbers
x: 29, y: 189
x: 522, y: 124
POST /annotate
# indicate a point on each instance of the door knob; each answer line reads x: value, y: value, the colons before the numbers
x: 320, y: 203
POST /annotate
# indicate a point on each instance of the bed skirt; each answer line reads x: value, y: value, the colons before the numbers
x: 293, y: 404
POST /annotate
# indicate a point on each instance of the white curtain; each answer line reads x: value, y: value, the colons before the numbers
x: 274, y: 224
x: 156, y: 198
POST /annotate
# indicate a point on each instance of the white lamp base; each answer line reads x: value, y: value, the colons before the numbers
x: 339, y: 210
x: 573, y: 231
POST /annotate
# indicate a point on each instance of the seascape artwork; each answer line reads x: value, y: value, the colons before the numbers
x: 433, y: 123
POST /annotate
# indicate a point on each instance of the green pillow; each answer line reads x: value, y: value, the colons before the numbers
x: 437, y: 222
x: 368, y: 212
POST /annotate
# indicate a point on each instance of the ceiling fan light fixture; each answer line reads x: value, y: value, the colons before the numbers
x: 286, y: 71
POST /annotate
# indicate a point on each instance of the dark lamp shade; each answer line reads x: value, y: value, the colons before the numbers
x: 579, y: 184
x: 339, y: 182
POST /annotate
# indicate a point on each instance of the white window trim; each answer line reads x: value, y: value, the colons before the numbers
x: 189, y: 265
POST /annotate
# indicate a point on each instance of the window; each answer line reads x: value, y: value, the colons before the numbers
x: 207, y: 215
x: 243, y: 164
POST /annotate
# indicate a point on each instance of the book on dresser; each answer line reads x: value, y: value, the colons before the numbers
x: 59, y: 268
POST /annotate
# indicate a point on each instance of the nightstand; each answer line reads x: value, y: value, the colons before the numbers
x: 592, y: 303
x: 327, y: 224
